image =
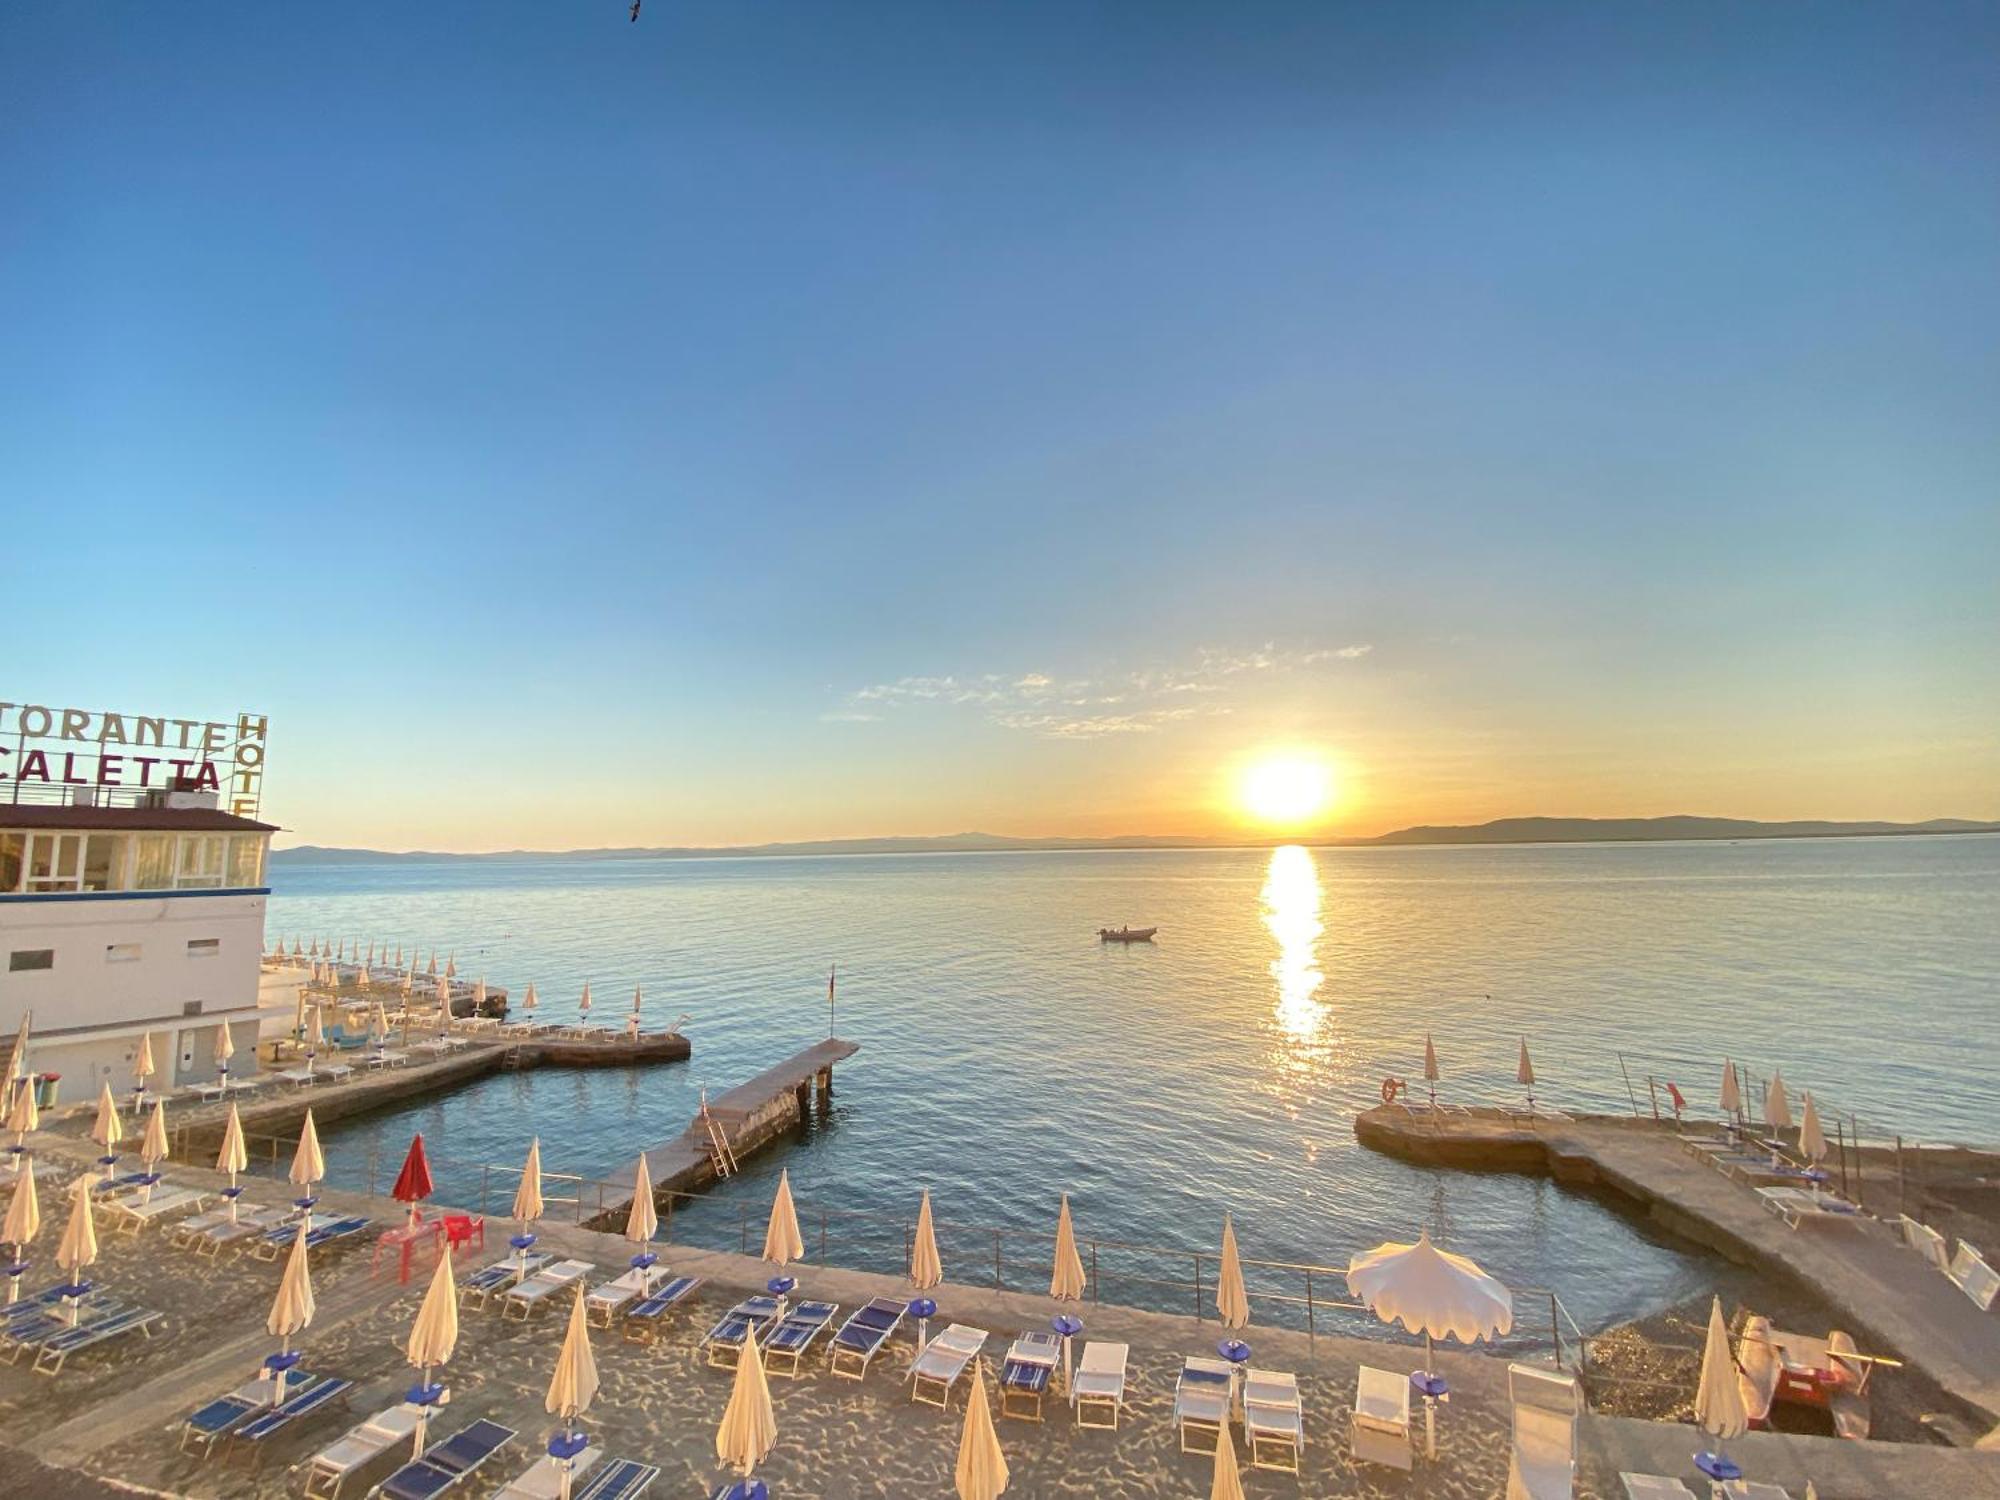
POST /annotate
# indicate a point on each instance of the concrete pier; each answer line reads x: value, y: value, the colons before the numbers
x: 1886, y: 1295
x: 748, y: 1117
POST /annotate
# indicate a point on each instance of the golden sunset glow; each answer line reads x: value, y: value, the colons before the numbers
x: 1285, y: 791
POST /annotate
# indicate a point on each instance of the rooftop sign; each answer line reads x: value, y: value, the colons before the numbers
x: 88, y: 756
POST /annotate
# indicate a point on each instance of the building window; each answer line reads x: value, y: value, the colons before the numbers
x: 121, y: 953
x: 100, y: 861
x: 204, y: 947
x: 55, y: 861
x: 245, y: 860
x: 200, y: 861
x: 31, y: 958
x: 154, y: 868
x: 13, y: 855
x: 190, y: 1008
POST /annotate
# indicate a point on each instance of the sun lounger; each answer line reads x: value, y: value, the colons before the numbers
x: 543, y: 1479
x: 1379, y: 1431
x: 124, y: 1182
x: 447, y: 1464
x: 617, y: 1479
x: 787, y: 1344
x: 863, y: 1335
x: 1099, y: 1392
x: 1543, y: 1464
x: 130, y: 1215
x: 31, y: 1326
x: 603, y: 1302
x: 1796, y: 1205
x: 278, y: 1239
x: 252, y: 1222
x: 1026, y: 1374
x: 1926, y: 1241
x: 358, y: 1448
x: 482, y: 1284
x: 1749, y: 1489
x: 304, y: 1396
x: 524, y: 1298
x: 1201, y: 1402
x: 1274, y: 1419
x: 1970, y: 1273
x: 50, y: 1357
x: 209, y: 1424
x: 1654, y: 1487
x: 939, y: 1364
x: 724, y: 1342
x: 644, y: 1320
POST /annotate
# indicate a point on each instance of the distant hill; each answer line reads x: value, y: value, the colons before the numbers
x: 1500, y: 831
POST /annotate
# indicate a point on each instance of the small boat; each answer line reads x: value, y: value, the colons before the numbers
x: 1126, y: 934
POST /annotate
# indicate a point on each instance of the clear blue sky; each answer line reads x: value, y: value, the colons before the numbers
x: 715, y: 428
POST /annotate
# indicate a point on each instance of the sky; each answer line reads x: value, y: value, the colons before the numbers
x: 783, y: 421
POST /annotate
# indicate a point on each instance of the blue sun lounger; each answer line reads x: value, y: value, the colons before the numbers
x: 794, y: 1335
x: 46, y: 1322
x: 863, y: 1335
x: 50, y: 1357
x: 211, y: 1423
x: 724, y: 1342
x: 278, y: 1241
x: 644, y: 1321
x: 312, y: 1396
x: 446, y: 1464
x: 620, y: 1479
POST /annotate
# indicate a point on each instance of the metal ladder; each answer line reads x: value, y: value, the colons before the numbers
x: 718, y: 1142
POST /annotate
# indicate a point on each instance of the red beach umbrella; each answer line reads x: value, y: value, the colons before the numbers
x: 413, y: 1183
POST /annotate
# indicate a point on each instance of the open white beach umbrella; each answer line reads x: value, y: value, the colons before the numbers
x: 1718, y: 1400
x: 1228, y: 1481
x: 24, y: 1222
x: 749, y: 1426
x: 1777, y: 1108
x: 77, y: 1250
x: 434, y: 1335
x: 1066, y: 1278
x: 1232, y: 1302
x: 308, y: 1165
x: 642, y: 1220
x: 232, y: 1158
x: 782, y: 1241
x: 982, y: 1468
x: 926, y: 1270
x: 292, y: 1309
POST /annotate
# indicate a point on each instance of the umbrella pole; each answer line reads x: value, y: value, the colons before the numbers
x: 1430, y: 1405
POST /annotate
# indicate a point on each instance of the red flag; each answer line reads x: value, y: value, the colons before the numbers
x: 413, y: 1183
x: 1679, y: 1103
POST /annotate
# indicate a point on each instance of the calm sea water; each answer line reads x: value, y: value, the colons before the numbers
x: 1007, y: 1055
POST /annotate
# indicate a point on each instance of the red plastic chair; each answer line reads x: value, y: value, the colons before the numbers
x: 461, y: 1230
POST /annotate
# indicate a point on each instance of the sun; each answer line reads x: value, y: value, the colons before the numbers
x: 1285, y: 790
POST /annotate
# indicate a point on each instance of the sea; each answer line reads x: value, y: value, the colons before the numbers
x: 1008, y: 1057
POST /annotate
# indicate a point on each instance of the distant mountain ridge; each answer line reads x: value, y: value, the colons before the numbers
x: 1499, y: 831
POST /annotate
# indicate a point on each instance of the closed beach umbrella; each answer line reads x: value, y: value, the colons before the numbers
x: 225, y: 1046
x: 479, y: 996
x: 1066, y: 1279
x: 748, y: 1425
x: 1812, y: 1139
x: 574, y: 1384
x: 1718, y: 1400
x: 642, y: 1220
x: 1431, y: 1068
x: 315, y: 1037
x: 1228, y: 1483
x: 107, y: 1129
x: 434, y: 1334
x: 143, y: 1068
x: 24, y: 1222
x: 378, y: 1026
x: 308, y: 1166
x: 528, y: 1201
x: 1432, y: 1292
x: 1524, y: 1073
x: 451, y: 967
x: 782, y: 1242
x: 292, y: 1308
x: 1777, y: 1108
x: 23, y: 1114
x: 413, y: 1183
x: 583, y: 1005
x: 1232, y: 1302
x: 434, y: 964
x: 399, y: 955
x: 232, y: 1158
x: 982, y: 1468
x: 636, y: 999
x: 77, y: 1250
x: 528, y: 1001
x: 153, y: 1145
x: 1731, y: 1098
x: 442, y: 990
x: 926, y: 1270
x: 20, y: 1063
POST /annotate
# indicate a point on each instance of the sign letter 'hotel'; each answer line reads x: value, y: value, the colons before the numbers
x: 131, y: 891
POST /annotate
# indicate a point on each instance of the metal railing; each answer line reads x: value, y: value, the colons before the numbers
x: 1296, y: 1294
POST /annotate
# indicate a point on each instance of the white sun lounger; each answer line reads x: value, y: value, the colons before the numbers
x: 1926, y: 1241
x: 543, y: 1480
x: 1543, y: 1465
x: 1970, y: 1273
x: 521, y: 1300
x: 1274, y: 1419
x: 1379, y: 1431
x: 1797, y: 1205
x: 136, y: 1212
x: 942, y: 1361
x: 1749, y: 1489
x: 1654, y: 1487
x: 605, y: 1301
x: 253, y: 1221
x: 1201, y: 1402
x: 1099, y: 1392
x: 348, y: 1455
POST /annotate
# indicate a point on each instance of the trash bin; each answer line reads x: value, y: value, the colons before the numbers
x: 45, y: 1090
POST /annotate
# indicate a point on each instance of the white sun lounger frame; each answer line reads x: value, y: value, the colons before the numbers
x: 939, y: 1364
x: 1541, y: 1463
x: 1099, y: 1388
x: 1379, y: 1428
x: 524, y: 1297
x: 357, y: 1448
x: 1274, y: 1420
x: 1203, y: 1395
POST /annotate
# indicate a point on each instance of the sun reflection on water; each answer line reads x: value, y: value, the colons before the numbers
x: 1291, y: 911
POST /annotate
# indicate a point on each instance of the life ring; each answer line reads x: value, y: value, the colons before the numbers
x: 1391, y: 1087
